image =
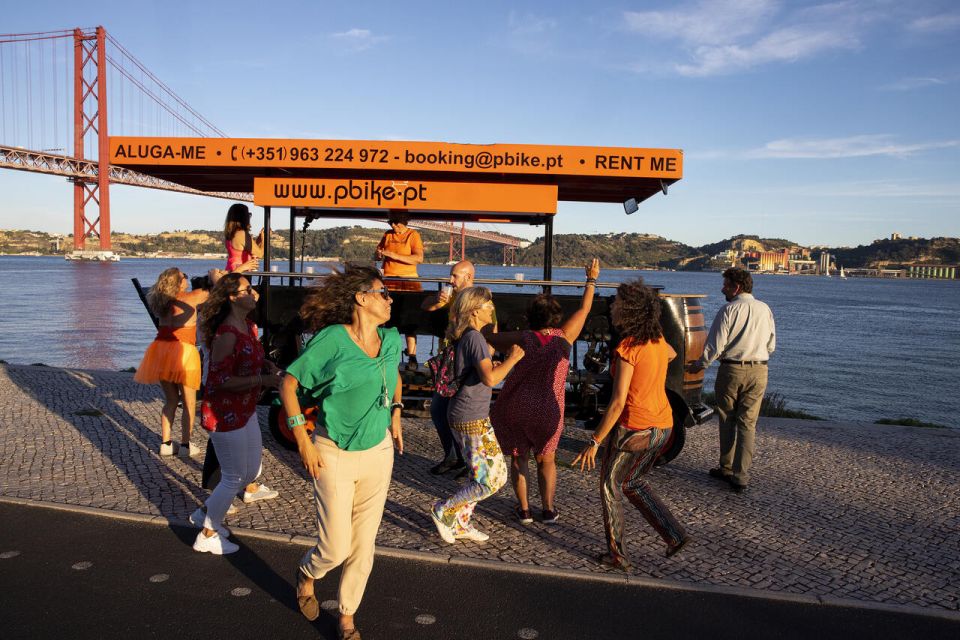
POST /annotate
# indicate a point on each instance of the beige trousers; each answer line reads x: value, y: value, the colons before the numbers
x: 350, y: 494
x: 739, y: 389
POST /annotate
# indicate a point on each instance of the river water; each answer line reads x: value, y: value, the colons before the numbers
x: 858, y: 349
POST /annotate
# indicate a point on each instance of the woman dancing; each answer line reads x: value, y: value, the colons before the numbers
x: 468, y: 414
x: 172, y: 359
x: 636, y: 425
x: 238, y: 373
x: 349, y: 371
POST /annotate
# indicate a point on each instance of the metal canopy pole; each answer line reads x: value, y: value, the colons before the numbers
x: 266, y: 267
x: 548, y: 252
x: 293, y: 235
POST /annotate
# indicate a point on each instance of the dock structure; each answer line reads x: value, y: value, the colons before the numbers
x: 850, y: 513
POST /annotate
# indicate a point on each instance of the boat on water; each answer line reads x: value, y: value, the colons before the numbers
x: 843, y: 276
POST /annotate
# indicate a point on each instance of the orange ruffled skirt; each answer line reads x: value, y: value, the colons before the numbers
x: 171, y: 357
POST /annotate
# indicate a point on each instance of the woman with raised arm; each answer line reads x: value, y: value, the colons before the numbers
x: 636, y: 425
x: 243, y: 251
x: 349, y: 372
x: 528, y: 413
x: 469, y: 414
x: 238, y: 373
x: 172, y: 359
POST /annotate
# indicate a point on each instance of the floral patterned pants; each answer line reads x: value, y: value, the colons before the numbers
x: 488, y: 472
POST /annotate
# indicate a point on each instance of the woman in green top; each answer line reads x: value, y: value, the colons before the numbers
x: 348, y: 371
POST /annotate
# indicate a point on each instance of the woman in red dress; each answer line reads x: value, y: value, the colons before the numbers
x: 528, y: 413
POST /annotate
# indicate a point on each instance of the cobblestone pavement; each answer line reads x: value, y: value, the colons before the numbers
x: 858, y: 511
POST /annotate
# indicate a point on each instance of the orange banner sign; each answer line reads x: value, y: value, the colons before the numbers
x: 405, y: 194
x: 512, y: 159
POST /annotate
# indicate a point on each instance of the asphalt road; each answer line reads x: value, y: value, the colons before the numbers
x: 68, y: 575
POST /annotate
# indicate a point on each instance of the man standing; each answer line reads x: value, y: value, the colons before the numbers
x: 461, y: 277
x: 401, y: 250
x: 742, y: 336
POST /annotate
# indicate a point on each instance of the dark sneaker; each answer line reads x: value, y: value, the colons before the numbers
x: 675, y: 549
x: 550, y: 517
x: 719, y: 474
x: 523, y: 515
x: 737, y: 488
x: 445, y: 466
x: 462, y: 474
x: 412, y: 363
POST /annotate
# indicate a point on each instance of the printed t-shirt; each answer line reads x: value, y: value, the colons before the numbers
x: 347, y: 386
x: 647, y: 405
x: 472, y: 401
x: 406, y: 244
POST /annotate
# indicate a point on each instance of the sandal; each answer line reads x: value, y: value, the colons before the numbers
x: 308, y: 605
x: 348, y: 634
x: 613, y: 562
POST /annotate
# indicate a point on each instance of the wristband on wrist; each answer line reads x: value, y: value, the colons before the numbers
x: 296, y: 421
x: 591, y: 280
x: 396, y: 405
x: 594, y: 441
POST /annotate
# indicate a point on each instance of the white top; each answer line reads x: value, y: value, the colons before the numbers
x: 743, y: 330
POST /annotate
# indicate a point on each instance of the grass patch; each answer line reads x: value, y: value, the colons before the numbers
x: 911, y: 422
x: 773, y: 406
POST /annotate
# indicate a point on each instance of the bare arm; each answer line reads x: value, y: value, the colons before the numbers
x: 309, y: 455
x: 621, y: 386
x: 574, y: 324
x: 396, y: 429
x: 492, y: 375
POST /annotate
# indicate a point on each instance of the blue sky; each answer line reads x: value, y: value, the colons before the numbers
x: 824, y: 123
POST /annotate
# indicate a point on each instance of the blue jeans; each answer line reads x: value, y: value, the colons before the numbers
x: 438, y: 413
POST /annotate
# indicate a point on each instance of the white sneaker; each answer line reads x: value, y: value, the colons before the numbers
x: 215, y: 544
x: 197, y: 519
x: 191, y: 450
x: 263, y: 493
x: 445, y: 532
x: 471, y: 533
x: 166, y: 449
x: 232, y: 509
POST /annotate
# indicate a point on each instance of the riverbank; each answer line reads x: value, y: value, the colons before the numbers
x: 847, y: 511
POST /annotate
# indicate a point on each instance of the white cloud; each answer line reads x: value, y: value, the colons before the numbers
x: 909, y: 84
x: 935, y: 24
x: 848, y: 147
x: 356, y: 40
x: 529, y: 24
x: 732, y: 35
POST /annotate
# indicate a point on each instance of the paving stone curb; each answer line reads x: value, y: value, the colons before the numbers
x: 507, y: 567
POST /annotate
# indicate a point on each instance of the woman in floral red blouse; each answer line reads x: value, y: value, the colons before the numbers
x: 238, y: 373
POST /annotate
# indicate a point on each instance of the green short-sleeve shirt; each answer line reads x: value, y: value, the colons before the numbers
x: 347, y: 386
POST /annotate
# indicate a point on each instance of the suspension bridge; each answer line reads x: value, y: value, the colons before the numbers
x: 63, y: 93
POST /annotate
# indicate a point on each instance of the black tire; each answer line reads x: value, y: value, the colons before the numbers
x: 678, y: 437
x: 280, y: 433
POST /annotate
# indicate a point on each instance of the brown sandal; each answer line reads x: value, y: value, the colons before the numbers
x: 308, y: 605
x: 348, y: 634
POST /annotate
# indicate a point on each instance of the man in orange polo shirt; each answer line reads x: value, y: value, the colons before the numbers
x: 401, y: 250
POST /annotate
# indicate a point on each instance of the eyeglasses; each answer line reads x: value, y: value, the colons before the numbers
x: 487, y: 305
x: 244, y: 290
x: 383, y: 291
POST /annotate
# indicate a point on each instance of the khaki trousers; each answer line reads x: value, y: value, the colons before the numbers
x: 740, y: 389
x: 350, y: 494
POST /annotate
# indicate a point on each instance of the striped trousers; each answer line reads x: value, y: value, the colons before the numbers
x: 630, y: 455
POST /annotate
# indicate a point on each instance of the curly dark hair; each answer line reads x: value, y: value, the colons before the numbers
x: 544, y: 312
x: 217, y: 306
x: 332, y: 301
x: 639, y: 312
x: 740, y: 277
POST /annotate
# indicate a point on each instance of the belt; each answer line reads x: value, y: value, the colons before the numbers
x: 743, y: 362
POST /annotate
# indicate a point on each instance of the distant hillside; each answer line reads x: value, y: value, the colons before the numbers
x: 627, y: 250
x: 884, y: 253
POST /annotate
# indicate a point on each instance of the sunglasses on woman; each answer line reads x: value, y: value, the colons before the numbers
x: 383, y: 291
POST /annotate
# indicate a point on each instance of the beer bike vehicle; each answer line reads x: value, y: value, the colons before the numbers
x: 439, y: 183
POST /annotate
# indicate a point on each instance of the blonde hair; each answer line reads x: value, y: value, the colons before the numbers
x: 164, y: 293
x: 467, y: 301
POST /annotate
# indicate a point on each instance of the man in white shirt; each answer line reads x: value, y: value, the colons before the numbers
x: 742, y: 337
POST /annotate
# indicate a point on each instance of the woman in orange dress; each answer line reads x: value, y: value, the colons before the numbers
x: 172, y: 359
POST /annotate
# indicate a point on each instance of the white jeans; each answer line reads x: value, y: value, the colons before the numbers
x: 239, y: 452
